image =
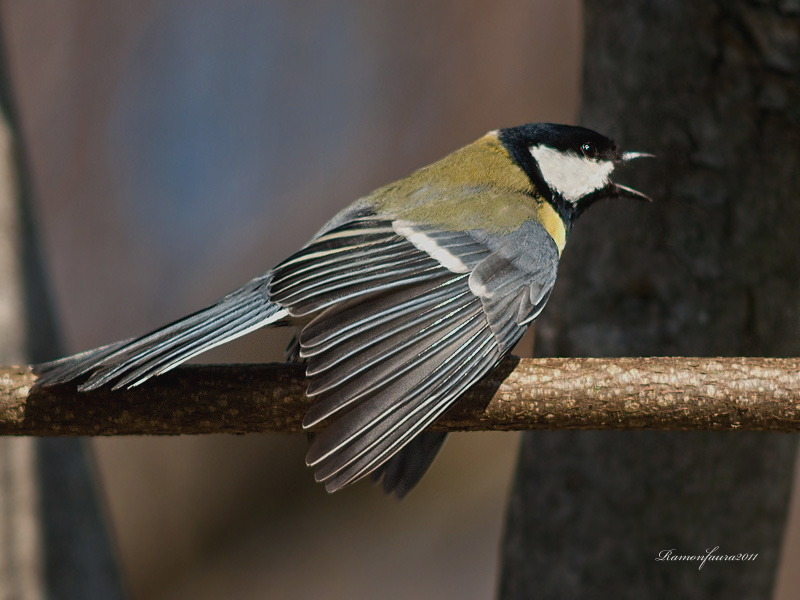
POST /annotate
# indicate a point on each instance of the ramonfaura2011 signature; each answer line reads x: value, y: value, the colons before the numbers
x: 710, y: 555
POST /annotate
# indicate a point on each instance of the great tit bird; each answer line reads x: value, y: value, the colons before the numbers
x: 403, y: 300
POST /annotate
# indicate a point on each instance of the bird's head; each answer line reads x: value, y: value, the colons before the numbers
x: 569, y: 166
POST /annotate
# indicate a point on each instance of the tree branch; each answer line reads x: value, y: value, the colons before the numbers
x: 547, y: 393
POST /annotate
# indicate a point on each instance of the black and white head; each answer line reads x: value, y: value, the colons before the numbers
x: 569, y: 166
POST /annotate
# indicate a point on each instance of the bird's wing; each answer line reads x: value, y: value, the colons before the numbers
x: 407, y: 318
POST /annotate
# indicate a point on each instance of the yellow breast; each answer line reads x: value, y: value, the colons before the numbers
x: 553, y: 224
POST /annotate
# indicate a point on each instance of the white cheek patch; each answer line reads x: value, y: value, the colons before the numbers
x: 573, y: 176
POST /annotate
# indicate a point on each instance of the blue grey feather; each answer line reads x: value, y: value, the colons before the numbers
x: 131, y: 362
x: 395, y: 337
x: 390, y: 353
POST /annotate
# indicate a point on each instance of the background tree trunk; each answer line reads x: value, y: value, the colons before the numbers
x: 53, y: 542
x: 711, y: 268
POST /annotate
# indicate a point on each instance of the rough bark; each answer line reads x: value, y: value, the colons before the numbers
x: 713, y: 89
x: 53, y: 542
x: 582, y: 393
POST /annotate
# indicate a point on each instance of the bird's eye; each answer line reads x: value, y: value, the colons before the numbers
x: 588, y: 149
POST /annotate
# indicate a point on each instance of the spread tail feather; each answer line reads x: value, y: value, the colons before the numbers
x: 133, y: 361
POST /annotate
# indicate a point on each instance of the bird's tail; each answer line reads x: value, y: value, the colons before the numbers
x: 133, y: 361
x: 404, y: 470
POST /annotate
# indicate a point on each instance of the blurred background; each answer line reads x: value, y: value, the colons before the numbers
x: 180, y: 148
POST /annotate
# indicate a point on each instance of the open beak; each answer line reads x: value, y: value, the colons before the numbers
x: 626, y: 156
x: 611, y: 190
x: 615, y: 190
x: 618, y: 190
x: 623, y: 191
